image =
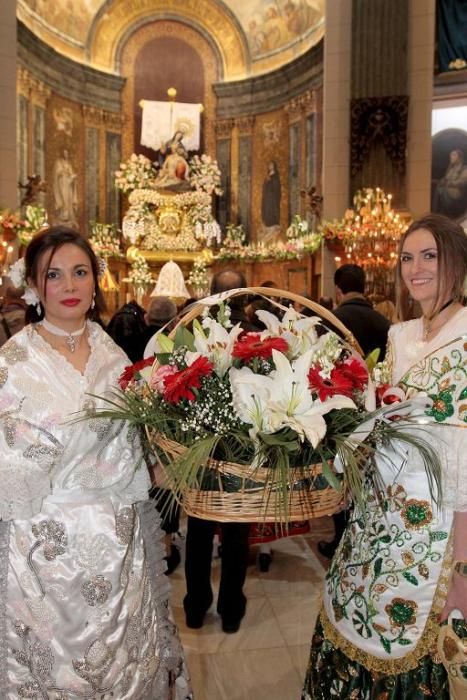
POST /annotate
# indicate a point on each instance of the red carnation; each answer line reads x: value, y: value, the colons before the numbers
x: 179, y: 385
x: 337, y: 384
x: 250, y: 345
x: 357, y: 373
x: 131, y: 371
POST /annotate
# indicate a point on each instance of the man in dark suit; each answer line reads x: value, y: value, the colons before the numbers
x: 370, y: 329
x: 357, y: 314
x: 231, y: 602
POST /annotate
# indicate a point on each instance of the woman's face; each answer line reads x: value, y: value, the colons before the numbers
x: 66, y: 287
x: 419, y: 267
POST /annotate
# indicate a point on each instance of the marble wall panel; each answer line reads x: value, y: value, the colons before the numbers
x: 244, y: 182
x: 113, y: 147
x: 92, y: 175
x: 294, y: 170
x: 223, y: 202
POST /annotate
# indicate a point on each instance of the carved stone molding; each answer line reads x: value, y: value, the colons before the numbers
x: 31, y: 88
x: 93, y: 116
x: 301, y: 104
x: 383, y: 119
x: 114, y: 121
x: 245, y: 124
x: 223, y: 128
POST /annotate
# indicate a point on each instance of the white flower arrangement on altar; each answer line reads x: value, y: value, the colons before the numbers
x: 291, y: 250
x: 205, y: 174
x: 135, y: 173
x: 181, y: 200
x: 198, y: 278
x: 105, y: 239
x: 140, y: 275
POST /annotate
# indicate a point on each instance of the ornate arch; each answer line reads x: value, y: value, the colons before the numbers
x: 211, y: 18
x: 128, y: 56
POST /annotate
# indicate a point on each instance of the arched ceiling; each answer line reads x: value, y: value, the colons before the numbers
x: 252, y: 36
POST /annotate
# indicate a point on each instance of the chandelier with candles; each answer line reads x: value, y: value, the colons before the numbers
x: 369, y: 234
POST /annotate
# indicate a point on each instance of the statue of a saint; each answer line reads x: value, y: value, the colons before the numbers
x: 65, y: 190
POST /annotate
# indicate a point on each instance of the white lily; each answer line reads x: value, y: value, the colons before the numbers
x: 299, y: 331
x: 292, y: 403
x: 251, y: 394
x: 217, y: 345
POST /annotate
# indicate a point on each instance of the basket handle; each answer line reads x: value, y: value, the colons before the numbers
x: 195, y: 310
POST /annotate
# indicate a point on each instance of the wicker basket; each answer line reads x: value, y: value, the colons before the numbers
x: 242, y: 493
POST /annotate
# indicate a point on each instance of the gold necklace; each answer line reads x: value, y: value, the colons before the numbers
x: 428, y: 320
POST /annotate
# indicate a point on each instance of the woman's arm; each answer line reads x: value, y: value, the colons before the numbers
x: 457, y: 595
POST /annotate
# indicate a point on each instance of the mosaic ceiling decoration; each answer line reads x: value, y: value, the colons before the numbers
x: 274, y: 31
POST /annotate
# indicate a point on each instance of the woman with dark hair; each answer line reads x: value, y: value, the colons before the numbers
x: 401, y: 567
x: 83, y: 596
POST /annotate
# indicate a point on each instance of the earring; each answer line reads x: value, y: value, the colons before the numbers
x: 93, y: 302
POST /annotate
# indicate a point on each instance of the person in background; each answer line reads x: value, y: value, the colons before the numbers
x: 12, y: 313
x: 128, y: 329
x: 231, y: 603
x: 370, y: 329
x: 161, y: 311
x: 84, y: 601
x: 327, y: 302
x: 387, y: 309
x: 356, y: 312
x: 401, y: 569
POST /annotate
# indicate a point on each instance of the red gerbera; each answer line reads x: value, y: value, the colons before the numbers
x: 250, y: 345
x: 131, y: 371
x: 338, y: 383
x: 357, y: 373
x: 179, y: 385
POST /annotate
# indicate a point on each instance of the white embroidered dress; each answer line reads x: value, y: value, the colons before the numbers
x: 83, y: 596
x: 388, y: 580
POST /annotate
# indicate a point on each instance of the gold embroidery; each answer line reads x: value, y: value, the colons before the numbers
x: 425, y: 644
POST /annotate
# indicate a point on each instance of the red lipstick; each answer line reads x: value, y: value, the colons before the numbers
x: 70, y: 302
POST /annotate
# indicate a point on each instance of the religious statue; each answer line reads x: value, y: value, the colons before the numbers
x: 34, y: 186
x: 271, y: 203
x: 174, y: 171
x: 65, y: 190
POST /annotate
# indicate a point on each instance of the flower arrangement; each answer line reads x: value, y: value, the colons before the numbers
x: 198, y: 278
x: 140, y: 275
x: 11, y: 223
x: 290, y: 250
x: 35, y: 219
x: 105, y: 239
x: 135, y: 173
x: 235, y: 236
x: 256, y: 412
x: 298, y: 228
x: 205, y: 175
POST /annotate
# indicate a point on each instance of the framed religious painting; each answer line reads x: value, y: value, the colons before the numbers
x: 449, y: 174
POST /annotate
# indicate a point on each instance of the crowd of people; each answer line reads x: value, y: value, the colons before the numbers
x: 84, y: 556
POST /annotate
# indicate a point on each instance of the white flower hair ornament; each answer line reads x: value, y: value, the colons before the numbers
x: 17, y: 274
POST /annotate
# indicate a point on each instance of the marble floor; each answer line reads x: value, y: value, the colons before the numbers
x: 267, y: 657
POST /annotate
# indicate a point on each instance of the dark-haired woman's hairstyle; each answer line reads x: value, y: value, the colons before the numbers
x: 451, y: 244
x: 47, y: 243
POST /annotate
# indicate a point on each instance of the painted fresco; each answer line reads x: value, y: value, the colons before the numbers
x: 273, y: 26
x: 270, y: 26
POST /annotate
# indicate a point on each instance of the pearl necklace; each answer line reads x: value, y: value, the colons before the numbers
x: 71, y: 337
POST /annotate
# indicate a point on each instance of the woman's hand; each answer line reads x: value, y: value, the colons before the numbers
x: 457, y: 597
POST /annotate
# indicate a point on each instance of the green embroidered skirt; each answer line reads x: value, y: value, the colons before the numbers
x: 331, y: 674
